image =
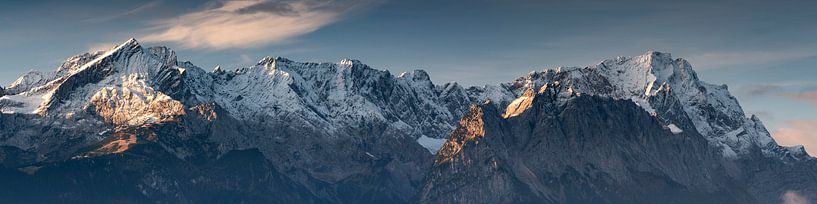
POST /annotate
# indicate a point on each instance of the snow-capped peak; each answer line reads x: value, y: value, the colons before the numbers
x: 415, y: 75
x: 125, y: 48
x: 70, y: 88
x: 266, y: 61
x: 329, y: 96
x: 636, y: 76
x: 218, y: 70
x: 349, y: 62
x: 654, y: 79
x: 29, y: 80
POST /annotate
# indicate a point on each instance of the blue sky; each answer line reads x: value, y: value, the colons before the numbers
x: 766, y: 51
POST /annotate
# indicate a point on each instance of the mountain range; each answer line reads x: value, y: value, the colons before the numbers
x: 135, y: 124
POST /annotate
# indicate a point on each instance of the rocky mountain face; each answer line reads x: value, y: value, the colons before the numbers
x: 555, y: 153
x: 135, y: 124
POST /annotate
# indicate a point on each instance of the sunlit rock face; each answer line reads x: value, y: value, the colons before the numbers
x: 135, y: 124
x: 586, y: 149
x: 134, y: 104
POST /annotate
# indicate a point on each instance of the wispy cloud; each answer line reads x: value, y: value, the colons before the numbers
x: 808, y: 96
x: 760, y: 89
x: 799, y: 90
x: 245, y: 59
x: 100, y: 47
x: 798, y: 132
x: 139, y: 9
x: 242, y: 24
x: 715, y: 60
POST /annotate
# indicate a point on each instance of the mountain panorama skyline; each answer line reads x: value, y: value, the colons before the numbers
x: 764, y: 50
x: 791, y: 136
x: 137, y: 124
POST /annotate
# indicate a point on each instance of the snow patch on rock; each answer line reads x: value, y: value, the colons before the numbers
x: 431, y: 144
x: 674, y: 129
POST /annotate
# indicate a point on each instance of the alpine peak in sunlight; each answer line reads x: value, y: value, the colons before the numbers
x: 137, y: 124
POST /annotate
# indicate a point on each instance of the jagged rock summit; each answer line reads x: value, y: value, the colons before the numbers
x: 286, y: 131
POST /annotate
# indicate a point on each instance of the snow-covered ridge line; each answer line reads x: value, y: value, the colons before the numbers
x: 334, y: 96
x: 669, y: 89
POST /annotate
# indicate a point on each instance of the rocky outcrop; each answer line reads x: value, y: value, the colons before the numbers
x: 587, y: 149
x: 134, y: 104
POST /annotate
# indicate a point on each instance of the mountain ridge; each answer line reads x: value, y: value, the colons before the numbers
x: 334, y: 126
x: 483, y: 151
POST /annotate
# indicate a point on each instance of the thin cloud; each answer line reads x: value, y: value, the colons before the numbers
x: 808, y: 96
x: 715, y: 60
x: 245, y: 59
x: 131, y: 12
x: 787, y: 89
x: 798, y: 132
x: 100, y: 47
x: 760, y: 89
x: 245, y: 24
